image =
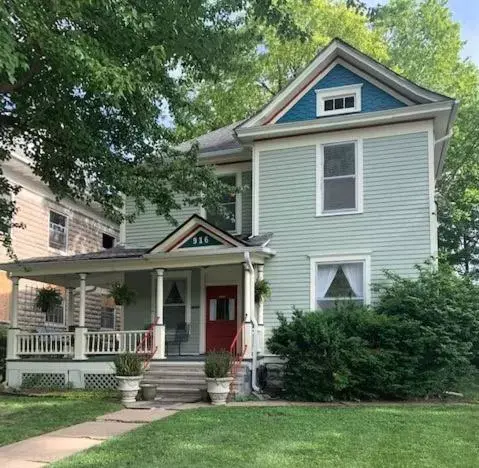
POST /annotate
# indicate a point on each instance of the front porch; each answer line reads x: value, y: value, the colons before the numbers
x: 189, y: 299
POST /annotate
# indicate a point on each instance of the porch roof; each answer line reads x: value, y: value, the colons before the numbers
x: 107, y: 266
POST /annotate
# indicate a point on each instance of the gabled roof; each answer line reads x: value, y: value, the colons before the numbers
x: 221, y: 139
x: 180, y: 236
x: 340, y: 50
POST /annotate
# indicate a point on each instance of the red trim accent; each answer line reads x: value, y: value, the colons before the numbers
x: 299, y: 92
x: 192, y: 232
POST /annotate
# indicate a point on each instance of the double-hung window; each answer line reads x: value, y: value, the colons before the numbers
x: 57, y: 231
x: 230, y: 219
x: 339, y: 179
x: 339, y: 280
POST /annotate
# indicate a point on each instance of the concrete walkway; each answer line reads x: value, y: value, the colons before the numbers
x: 53, y: 446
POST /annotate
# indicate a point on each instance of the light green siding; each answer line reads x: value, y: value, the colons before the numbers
x: 149, y: 228
x: 137, y: 316
x: 246, y: 203
x: 394, y: 225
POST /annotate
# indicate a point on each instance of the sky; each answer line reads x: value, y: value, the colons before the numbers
x: 466, y: 12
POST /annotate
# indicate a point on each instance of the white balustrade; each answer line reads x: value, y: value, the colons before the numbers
x: 44, y: 344
x: 115, y: 342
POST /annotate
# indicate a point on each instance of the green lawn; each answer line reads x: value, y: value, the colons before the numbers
x: 23, y: 417
x: 394, y: 436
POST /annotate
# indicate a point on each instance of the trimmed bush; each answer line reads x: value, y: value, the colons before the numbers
x: 419, y: 341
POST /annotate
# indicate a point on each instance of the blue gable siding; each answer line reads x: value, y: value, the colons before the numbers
x: 372, y: 98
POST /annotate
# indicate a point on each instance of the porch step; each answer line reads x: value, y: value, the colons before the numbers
x: 177, y: 382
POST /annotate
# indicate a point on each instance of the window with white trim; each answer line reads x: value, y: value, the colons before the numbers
x: 57, y: 231
x: 339, y: 100
x: 339, y: 179
x: 231, y: 204
x: 335, y: 282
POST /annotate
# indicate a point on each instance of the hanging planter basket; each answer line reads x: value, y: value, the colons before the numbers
x: 122, y: 294
x: 262, y: 291
x: 47, y: 299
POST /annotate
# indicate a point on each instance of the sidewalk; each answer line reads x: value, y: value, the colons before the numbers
x: 53, y: 446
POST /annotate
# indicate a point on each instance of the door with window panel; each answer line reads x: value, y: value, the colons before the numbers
x: 174, y: 304
x: 221, y: 315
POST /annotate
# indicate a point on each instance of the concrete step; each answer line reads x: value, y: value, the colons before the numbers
x: 172, y: 374
x: 175, y: 382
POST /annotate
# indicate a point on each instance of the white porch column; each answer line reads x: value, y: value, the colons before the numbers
x: 70, y: 307
x: 80, y: 337
x: 248, y: 301
x: 260, y: 314
x: 13, y: 330
x: 81, y: 317
x: 153, y: 296
x: 159, y: 328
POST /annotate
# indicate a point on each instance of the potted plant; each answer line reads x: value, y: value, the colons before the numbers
x: 218, y: 379
x: 129, y: 370
x: 122, y: 294
x: 47, y: 299
x: 262, y: 291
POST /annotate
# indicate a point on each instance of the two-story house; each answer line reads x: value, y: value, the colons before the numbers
x: 58, y: 228
x: 338, y: 174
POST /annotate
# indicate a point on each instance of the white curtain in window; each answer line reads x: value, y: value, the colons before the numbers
x: 212, y: 309
x: 231, y: 309
x: 354, y: 275
x: 324, y: 277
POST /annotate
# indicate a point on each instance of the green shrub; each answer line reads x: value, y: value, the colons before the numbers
x: 128, y: 365
x: 218, y: 364
x: 419, y: 340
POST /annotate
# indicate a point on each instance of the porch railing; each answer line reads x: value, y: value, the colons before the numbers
x: 114, y: 342
x: 44, y: 344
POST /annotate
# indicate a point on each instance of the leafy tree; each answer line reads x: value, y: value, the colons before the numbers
x: 85, y: 87
x: 425, y: 45
x: 238, y: 92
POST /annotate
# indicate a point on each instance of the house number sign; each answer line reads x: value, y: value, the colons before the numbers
x: 200, y: 239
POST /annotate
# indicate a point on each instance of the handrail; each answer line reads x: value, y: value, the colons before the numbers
x: 140, y: 347
x: 234, y: 343
x: 148, y: 332
x: 238, y: 358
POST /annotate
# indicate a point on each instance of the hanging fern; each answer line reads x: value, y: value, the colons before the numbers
x: 262, y: 291
x: 122, y: 294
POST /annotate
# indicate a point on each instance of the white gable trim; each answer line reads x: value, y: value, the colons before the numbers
x: 188, y: 230
x: 337, y: 49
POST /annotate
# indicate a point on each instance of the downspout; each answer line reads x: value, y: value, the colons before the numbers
x: 255, y: 388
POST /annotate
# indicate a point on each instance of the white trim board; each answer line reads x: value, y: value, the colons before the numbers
x: 343, y: 135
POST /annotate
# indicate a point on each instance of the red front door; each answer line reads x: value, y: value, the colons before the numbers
x: 221, y: 311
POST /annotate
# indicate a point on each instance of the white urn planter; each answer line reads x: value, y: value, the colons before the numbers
x: 129, y: 388
x: 218, y: 389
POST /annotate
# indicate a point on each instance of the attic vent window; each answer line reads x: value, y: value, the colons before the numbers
x: 341, y: 100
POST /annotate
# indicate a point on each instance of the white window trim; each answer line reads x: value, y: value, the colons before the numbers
x: 186, y: 275
x: 341, y: 91
x: 239, y: 200
x: 67, y: 222
x: 358, y: 144
x: 339, y: 259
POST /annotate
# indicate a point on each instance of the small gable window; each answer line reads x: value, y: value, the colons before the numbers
x: 340, y: 100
